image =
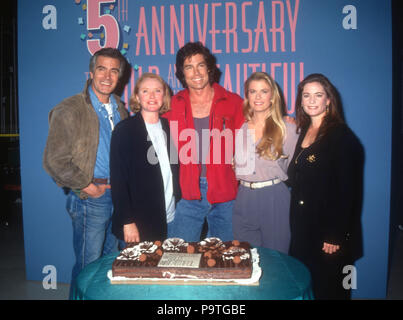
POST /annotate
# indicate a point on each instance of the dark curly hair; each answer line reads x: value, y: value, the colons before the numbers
x: 190, y: 49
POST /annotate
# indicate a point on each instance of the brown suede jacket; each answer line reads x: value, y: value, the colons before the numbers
x: 71, y: 147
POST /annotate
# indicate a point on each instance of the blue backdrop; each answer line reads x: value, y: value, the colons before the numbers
x: 349, y: 41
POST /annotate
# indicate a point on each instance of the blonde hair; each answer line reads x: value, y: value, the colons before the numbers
x: 135, y: 104
x: 271, y: 144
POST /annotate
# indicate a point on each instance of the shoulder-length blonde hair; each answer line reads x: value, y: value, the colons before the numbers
x: 271, y: 144
x: 135, y: 104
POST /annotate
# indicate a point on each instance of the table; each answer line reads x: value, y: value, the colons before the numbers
x: 283, y: 278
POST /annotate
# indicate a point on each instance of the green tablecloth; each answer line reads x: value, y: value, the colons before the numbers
x: 283, y: 277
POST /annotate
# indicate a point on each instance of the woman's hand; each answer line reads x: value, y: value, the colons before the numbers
x: 131, y: 233
x: 330, y: 248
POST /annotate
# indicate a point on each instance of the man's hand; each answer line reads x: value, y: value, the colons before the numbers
x: 131, y: 233
x: 96, y: 190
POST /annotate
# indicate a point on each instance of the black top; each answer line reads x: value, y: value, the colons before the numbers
x: 326, y: 196
x: 137, y: 185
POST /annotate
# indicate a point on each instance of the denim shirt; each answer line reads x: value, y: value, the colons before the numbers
x: 101, y: 169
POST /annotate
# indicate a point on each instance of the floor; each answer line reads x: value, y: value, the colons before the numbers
x: 395, y: 285
x: 13, y: 285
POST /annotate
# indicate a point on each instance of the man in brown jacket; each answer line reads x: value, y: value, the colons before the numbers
x: 77, y: 155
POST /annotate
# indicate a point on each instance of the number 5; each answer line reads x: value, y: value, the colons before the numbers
x: 95, y: 21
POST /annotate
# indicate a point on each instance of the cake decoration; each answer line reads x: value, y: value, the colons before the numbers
x: 134, y: 252
x: 174, y: 244
x: 175, y: 258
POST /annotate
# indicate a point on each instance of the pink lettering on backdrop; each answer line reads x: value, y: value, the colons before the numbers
x: 172, y: 81
x: 292, y: 88
x: 254, y: 66
x: 191, y: 23
x: 154, y: 69
x: 227, y: 78
x: 258, y: 26
x: 285, y: 81
x: 123, y: 10
x: 245, y: 72
x: 201, y: 31
x: 231, y: 30
x: 127, y: 91
x: 273, y: 69
x: 171, y: 76
x: 96, y: 21
x: 238, y: 76
x: 246, y: 30
x: 180, y: 34
x: 274, y: 30
x: 293, y: 21
x: 287, y: 71
x: 261, y: 29
x: 142, y: 33
x: 158, y: 29
x: 213, y: 30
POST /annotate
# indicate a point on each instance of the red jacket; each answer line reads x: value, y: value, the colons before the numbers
x: 225, y: 114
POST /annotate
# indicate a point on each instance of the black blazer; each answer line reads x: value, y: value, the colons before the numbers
x: 137, y: 185
x: 326, y: 196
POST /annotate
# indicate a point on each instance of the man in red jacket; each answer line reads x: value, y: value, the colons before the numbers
x: 203, y: 118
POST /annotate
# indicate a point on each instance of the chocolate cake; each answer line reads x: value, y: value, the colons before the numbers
x: 176, y: 259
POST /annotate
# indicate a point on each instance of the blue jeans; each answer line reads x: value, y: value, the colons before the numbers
x: 191, y: 214
x: 92, y: 234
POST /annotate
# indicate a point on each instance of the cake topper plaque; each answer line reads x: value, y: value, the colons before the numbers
x: 180, y: 260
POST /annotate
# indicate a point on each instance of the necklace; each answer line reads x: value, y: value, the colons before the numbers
x: 296, y: 159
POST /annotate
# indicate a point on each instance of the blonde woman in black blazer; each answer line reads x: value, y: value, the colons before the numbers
x: 325, y: 175
x: 138, y: 182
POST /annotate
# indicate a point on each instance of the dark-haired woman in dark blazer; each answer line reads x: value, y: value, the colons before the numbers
x: 144, y: 171
x: 325, y: 175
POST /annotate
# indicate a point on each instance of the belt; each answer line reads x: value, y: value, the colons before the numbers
x: 100, y: 180
x: 261, y: 184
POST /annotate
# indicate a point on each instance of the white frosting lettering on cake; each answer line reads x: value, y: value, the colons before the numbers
x: 180, y: 260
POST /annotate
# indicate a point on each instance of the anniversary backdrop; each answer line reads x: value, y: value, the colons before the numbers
x: 347, y: 40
